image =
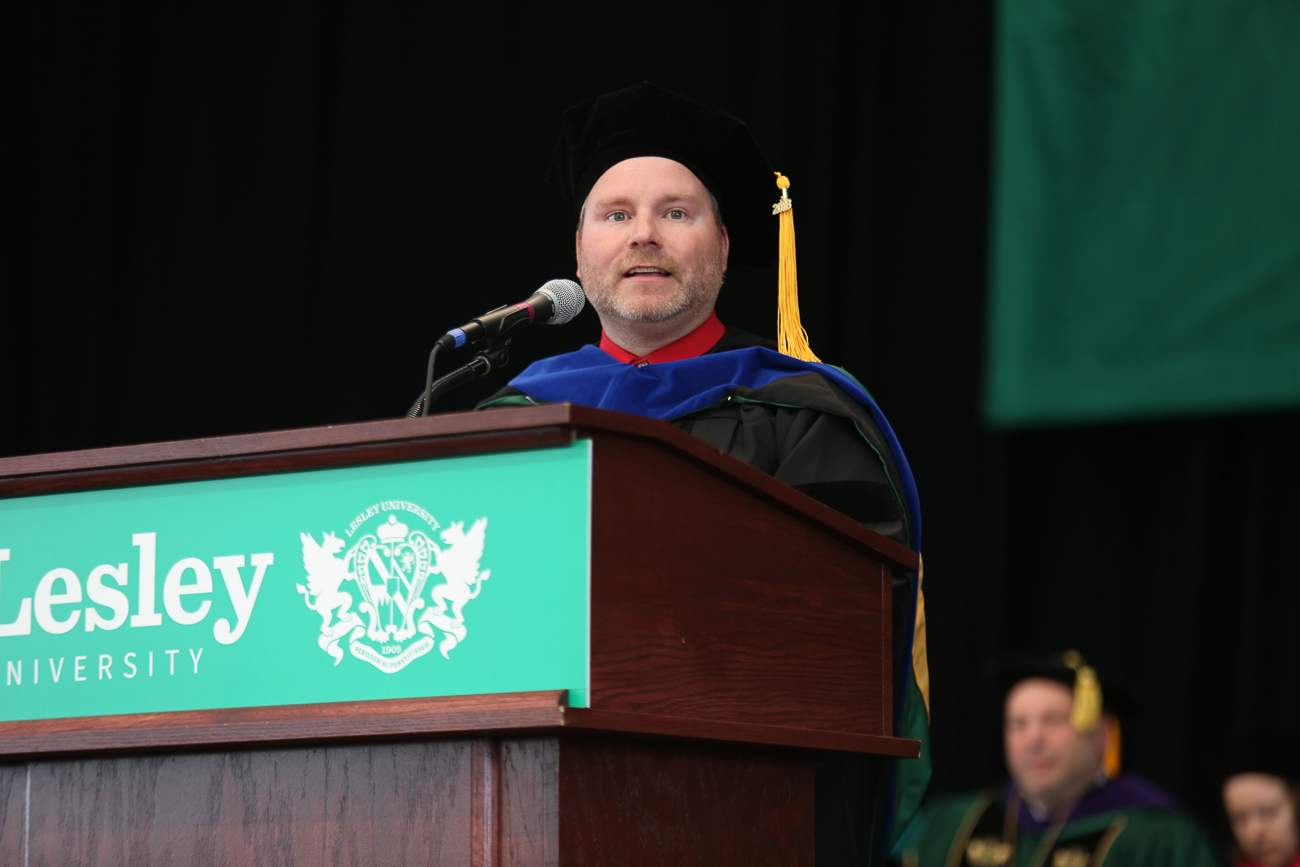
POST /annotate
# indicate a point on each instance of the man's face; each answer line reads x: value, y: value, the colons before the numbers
x: 649, y: 246
x: 1263, y: 818
x: 1047, y: 758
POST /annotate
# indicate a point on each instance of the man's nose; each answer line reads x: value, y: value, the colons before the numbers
x: 645, y: 233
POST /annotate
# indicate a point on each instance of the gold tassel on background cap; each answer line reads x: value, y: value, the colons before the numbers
x: 1087, y: 693
x: 791, y: 339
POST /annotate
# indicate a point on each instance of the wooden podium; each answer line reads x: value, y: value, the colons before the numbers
x: 739, y: 630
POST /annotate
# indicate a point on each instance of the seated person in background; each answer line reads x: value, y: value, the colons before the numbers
x: 1261, y: 808
x: 1066, y: 805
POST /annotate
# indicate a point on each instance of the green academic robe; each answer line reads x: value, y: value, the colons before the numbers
x: 976, y: 831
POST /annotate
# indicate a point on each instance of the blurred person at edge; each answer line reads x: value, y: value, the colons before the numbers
x: 1261, y: 811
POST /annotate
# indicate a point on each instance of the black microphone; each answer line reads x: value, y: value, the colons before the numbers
x: 554, y: 304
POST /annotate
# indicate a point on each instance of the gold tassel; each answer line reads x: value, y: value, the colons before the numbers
x: 791, y: 339
x: 1087, y: 693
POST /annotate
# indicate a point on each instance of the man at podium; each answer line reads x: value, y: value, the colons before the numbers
x: 666, y: 193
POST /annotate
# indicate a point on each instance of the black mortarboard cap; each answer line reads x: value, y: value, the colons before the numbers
x: 647, y: 120
x: 1262, y: 750
x: 1065, y: 668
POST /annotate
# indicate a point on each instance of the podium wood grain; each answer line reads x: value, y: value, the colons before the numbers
x: 515, y: 802
x: 729, y: 610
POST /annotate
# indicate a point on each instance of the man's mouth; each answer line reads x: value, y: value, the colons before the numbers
x: 649, y: 270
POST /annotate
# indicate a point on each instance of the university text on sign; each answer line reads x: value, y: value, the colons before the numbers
x: 56, y: 605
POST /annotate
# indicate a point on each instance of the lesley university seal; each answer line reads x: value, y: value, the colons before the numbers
x: 396, y: 592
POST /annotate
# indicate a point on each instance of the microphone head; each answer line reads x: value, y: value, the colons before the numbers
x: 567, y: 300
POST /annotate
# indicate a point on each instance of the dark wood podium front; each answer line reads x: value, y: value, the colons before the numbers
x: 738, y: 631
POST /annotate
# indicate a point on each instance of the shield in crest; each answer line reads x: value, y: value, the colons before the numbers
x: 391, y: 569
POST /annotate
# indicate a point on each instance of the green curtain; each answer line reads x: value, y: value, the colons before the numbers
x: 1145, y: 247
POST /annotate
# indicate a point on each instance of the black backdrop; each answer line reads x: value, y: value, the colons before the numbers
x: 217, y: 219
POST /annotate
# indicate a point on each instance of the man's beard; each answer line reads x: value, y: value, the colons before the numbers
x: 694, y: 289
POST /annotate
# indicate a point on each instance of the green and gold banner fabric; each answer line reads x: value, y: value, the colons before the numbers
x: 1145, y: 251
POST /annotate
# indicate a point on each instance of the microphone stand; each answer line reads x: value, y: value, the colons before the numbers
x: 494, y: 356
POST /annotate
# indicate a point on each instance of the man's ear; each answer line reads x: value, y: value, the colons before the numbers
x: 726, y: 247
x: 577, y: 252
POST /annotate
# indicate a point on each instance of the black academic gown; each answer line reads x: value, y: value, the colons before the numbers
x: 801, y: 430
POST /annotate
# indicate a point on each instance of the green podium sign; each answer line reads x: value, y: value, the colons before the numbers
x: 454, y: 576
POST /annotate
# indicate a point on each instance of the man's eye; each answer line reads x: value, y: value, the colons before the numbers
x: 616, y: 217
x: 677, y: 214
